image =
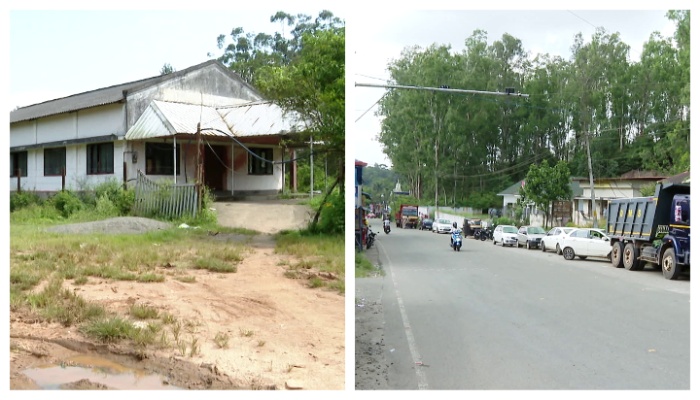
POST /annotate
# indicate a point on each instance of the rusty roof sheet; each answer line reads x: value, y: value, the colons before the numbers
x: 682, y: 179
x: 261, y: 118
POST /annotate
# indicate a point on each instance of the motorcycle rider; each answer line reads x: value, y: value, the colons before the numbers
x: 453, y: 230
x: 387, y: 223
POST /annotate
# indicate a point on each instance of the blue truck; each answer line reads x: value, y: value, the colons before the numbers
x: 653, y: 229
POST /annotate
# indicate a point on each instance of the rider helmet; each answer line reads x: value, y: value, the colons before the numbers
x: 454, y: 225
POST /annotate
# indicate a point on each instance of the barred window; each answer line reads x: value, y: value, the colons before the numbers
x: 159, y: 159
x: 54, y: 161
x: 256, y: 166
x: 100, y: 158
x: 18, y: 163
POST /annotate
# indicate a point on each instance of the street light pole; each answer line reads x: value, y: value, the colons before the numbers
x: 508, y: 92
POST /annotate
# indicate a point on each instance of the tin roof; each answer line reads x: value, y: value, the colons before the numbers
x: 259, y: 119
x: 682, y: 179
x: 98, y: 97
x: 163, y: 118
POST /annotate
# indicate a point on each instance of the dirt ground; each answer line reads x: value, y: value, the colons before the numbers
x: 281, y: 334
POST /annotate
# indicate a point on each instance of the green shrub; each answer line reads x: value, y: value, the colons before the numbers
x: 23, y: 199
x: 67, y: 203
x: 122, y: 199
x: 105, y: 207
x: 36, y: 213
x: 125, y: 201
x: 332, y: 218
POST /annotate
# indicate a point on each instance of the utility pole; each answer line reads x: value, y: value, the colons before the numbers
x: 436, y: 183
x: 198, y: 179
x: 590, y: 180
x: 311, y: 147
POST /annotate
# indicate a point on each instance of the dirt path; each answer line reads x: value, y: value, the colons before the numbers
x: 279, y: 333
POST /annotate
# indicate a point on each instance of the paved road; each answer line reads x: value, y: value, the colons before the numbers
x: 506, y: 318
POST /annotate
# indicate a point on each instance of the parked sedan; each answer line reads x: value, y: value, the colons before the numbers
x: 426, y: 224
x: 505, y: 235
x: 552, y: 239
x: 442, y: 225
x: 530, y: 236
x: 585, y: 242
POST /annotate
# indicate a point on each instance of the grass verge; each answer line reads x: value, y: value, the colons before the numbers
x: 322, y: 258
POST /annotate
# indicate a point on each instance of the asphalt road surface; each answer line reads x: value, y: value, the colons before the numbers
x: 489, y: 317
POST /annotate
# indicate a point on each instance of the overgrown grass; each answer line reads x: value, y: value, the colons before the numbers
x: 319, y: 252
x: 142, y: 311
x: 363, y: 267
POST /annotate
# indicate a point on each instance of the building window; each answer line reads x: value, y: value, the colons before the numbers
x: 159, y: 159
x: 256, y: 166
x: 100, y: 158
x: 18, y: 163
x: 54, y: 161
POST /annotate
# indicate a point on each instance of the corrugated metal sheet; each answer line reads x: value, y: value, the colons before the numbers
x: 98, y: 97
x: 108, y: 95
x: 254, y: 119
x: 259, y: 119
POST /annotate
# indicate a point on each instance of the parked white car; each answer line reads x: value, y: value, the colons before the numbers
x: 585, y: 242
x: 442, y: 225
x: 551, y: 240
x: 506, y: 235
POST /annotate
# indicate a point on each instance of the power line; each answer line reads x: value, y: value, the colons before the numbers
x: 582, y: 19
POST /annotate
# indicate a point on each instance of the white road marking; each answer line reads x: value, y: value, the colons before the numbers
x: 413, y: 348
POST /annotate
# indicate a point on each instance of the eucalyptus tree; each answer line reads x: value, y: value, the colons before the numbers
x: 414, y: 130
x: 247, y: 52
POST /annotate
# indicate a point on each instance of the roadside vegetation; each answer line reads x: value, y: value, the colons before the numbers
x: 364, y: 268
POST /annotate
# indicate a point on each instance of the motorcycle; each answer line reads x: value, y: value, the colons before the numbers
x: 456, y: 240
x: 370, y: 238
x: 486, y: 234
x: 387, y: 227
x: 477, y: 233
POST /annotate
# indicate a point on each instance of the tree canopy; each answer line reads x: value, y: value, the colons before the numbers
x: 635, y: 115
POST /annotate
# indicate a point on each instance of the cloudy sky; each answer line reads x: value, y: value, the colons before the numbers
x: 56, y: 53
x: 382, y: 38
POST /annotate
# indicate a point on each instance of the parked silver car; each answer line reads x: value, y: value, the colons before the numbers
x: 530, y: 236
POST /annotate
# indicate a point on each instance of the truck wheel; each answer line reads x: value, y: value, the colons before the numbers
x: 669, y: 265
x: 568, y: 253
x: 616, y: 255
x: 629, y: 257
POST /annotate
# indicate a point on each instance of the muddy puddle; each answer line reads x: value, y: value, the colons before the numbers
x: 91, y: 372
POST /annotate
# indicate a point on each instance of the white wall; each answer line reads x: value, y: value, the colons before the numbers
x: 101, y: 121
x: 23, y: 133
x: 76, y: 170
x: 241, y: 180
x: 244, y: 182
